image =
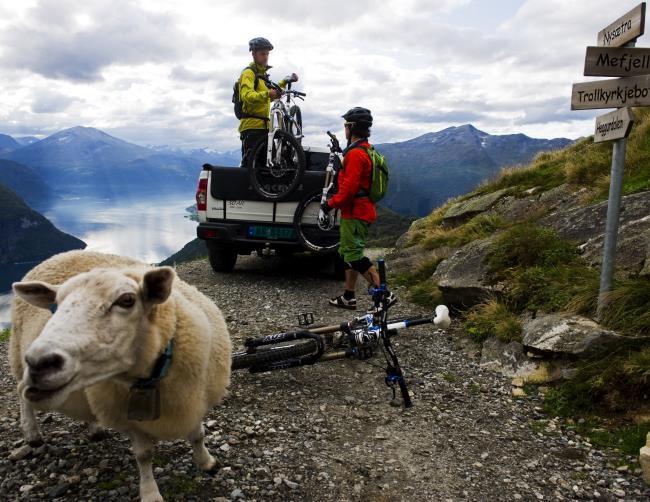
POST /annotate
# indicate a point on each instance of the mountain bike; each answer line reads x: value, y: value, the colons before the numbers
x: 309, y: 220
x: 278, y: 160
x: 359, y: 338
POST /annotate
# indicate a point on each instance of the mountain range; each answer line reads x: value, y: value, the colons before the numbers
x: 429, y: 169
x: 83, y: 161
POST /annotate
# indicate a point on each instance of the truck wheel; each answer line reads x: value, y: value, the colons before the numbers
x: 222, y: 259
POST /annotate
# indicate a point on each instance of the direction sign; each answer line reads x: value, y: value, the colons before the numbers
x: 614, y: 125
x: 617, y: 62
x: 625, y: 28
x: 613, y: 93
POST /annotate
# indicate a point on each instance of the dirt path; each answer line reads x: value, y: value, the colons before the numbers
x: 328, y: 432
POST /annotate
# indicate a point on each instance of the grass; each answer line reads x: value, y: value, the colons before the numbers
x: 4, y: 335
x: 179, y: 487
x: 492, y: 319
x: 477, y: 228
x: 584, y: 164
x: 426, y: 294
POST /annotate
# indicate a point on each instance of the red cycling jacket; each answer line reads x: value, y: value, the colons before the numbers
x: 355, y: 176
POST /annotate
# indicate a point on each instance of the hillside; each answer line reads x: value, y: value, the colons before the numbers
x: 27, y: 238
x: 519, y: 258
x: 7, y: 144
x: 26, y: 182
x: 429, y: 169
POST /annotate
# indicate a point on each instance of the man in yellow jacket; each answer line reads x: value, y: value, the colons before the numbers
x: 256, y: 97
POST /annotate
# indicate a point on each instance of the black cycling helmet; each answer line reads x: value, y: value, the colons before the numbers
x: 260, y: 44
x: 358, y: 115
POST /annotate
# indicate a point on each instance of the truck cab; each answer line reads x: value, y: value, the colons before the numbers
x: 234, y: 220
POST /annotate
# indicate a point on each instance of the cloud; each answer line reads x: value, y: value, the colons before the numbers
x: 161, y: 72
x: 62, y: 40
x: 51, y: 102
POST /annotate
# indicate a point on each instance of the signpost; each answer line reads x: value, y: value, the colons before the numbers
x: 617, y: 62
x: 625, y: 29
x: 615, y: 56
x: 613, y: 125
x: 612, y: 93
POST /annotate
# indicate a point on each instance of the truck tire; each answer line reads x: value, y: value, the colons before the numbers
x: 222, y: 258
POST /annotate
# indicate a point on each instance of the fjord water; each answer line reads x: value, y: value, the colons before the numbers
x: 148, y: 229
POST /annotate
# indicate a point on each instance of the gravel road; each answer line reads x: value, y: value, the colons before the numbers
x: 328, y: 432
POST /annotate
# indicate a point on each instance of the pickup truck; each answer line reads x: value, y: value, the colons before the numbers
x: 234, y: 220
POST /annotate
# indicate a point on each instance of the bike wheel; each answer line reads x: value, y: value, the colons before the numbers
x: 296, y: 124
x: 277, y: 181
x: 242, y: 360
x: 310, y: 235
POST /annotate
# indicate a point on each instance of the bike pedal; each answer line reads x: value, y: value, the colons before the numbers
x: 306, y: 319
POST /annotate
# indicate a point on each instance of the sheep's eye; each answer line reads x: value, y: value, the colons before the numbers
x: 127, y: 300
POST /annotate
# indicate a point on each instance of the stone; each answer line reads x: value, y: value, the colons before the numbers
x: 58, y: 490
x: 644, y: 460
x: 465, y: 209
x: 568, y: 335
x: 518, y: 392
x: 506, y: 358
x: 463, y: 277
x: 20, y: 453
x: 585, y: 225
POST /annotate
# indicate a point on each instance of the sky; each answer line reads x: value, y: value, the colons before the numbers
x: 160, y: 72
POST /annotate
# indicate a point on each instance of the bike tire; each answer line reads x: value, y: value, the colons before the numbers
x: 242, y: 360
x: 307, y: 229
x: 266, y: 184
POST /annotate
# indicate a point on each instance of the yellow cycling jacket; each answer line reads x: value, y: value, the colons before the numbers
x: 255, y: 102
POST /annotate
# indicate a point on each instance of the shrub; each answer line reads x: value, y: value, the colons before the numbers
x: 492, y: 319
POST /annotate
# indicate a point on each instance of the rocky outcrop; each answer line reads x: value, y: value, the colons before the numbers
x: 585, y: 225
x: 567, y: 335
x: 463, y: 277
x: 462, y: 211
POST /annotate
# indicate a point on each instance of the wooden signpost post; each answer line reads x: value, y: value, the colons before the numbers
x: 615, y: 56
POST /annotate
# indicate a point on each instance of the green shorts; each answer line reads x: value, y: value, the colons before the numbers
x: 354, y: 234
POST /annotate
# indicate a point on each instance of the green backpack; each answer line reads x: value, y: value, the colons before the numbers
x: 378, y: 177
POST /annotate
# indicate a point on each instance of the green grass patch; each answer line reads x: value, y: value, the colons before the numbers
x: 179, y: 487
x: 4, y: 335
x: 528, y: 245
x: 449, y: 377
x: 492, y: 319
x: 613, y: 384
x: 477, y: 228
x: 426, y: 294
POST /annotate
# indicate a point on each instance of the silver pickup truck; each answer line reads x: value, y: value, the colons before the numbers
x: 234, y: 220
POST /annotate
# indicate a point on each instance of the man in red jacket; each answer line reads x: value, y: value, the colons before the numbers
x: 357, y: 210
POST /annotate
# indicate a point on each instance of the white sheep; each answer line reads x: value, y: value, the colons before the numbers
x: 114, y: 319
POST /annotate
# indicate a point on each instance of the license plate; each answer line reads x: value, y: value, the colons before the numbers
x: 269, y: 232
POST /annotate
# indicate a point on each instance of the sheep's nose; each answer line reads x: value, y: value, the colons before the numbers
x: 44, y: 366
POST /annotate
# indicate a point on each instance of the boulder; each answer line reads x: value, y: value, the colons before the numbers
x: 515, y: 209
x: 510, y: 360
x: 566, y: 334
x: 505, y: 358
x: 465, y: 209
x: 463, y: 277
x: 585, y: 225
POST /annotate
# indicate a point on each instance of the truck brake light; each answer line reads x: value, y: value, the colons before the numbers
x: 202, y: 195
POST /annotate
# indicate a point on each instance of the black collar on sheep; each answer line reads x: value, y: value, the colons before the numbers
x: 144, y: 394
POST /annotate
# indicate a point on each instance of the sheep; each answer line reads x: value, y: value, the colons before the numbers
x: 114, y: 318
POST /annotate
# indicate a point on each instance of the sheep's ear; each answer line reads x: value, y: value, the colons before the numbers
x: 37, y: 293
x: 157, y: 284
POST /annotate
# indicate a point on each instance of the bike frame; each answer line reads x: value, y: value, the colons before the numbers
x: 326, y: 221
x: 280, y: 120
x: 365, y: 335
